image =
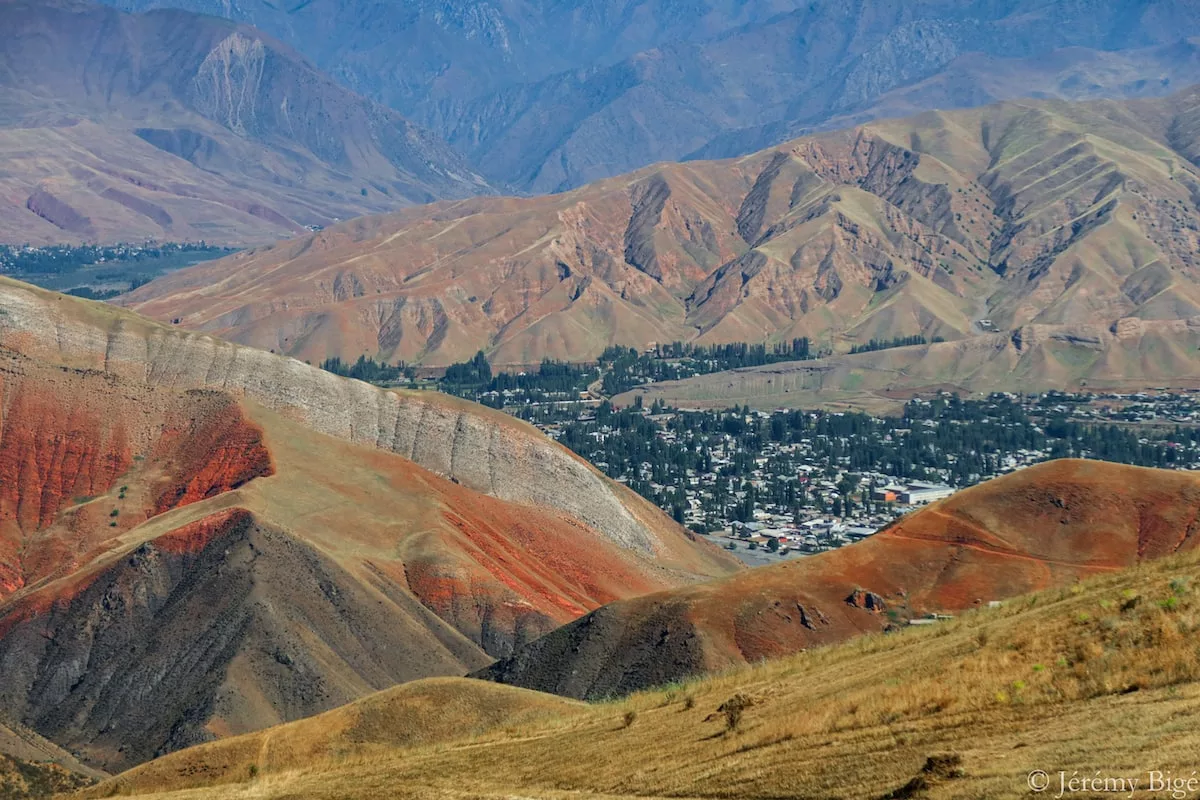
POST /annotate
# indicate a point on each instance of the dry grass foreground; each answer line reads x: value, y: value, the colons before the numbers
x: 1099, y: 676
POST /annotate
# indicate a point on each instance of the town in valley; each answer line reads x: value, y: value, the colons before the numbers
x: 771, y: 484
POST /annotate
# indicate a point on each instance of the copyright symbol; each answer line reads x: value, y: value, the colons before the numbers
x: 1039, y: 781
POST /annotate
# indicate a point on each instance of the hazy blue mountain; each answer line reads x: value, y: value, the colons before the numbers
x: 173, y: 125
x: 548, y: 94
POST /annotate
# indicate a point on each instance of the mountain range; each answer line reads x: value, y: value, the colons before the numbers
x: 225, y: 572
x: 177, y: 126
x: 545, y: 96
x: 1054, y: 239
x: 198, y: 539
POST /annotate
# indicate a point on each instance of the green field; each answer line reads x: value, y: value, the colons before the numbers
x: 102, y: 272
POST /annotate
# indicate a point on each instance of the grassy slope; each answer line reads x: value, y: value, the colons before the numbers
x: 33, y: 767
x: 1101, y: 675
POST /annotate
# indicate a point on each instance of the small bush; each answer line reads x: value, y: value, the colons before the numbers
x: 115, y: 512
x: 689, y: 703
x: 630, y: 718
x: 733, y: 708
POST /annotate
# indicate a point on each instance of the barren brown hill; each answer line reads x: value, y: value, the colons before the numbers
x: 1098, y: 679
x: 420, y: 713
x: 177, y: 126
x: 1044, y: 526
x: 1045, y: 214
x: 199, y: 539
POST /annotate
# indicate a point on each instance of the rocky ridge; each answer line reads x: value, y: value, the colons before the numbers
x: 966, y: 226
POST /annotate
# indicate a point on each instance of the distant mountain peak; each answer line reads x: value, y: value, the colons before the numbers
x: 201, y: 129
x: 550, y: 96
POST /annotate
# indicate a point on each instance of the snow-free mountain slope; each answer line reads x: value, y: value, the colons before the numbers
x: 175, y: 126
x: 199, y: 539
x: 1073, y: 223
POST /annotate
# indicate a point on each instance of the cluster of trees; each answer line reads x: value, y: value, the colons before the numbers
x: 476, y: 372
x: 738, y: 354
x: 625, y: 368
x: 552, y: 381
x: 369, y: 370
x: 474, y: 380
x: 551, y: 378
x: 55, y: 259
x: 895, y: 341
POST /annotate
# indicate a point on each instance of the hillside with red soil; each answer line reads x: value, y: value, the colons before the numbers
x: 199, y: 539
x: 1045, y: 526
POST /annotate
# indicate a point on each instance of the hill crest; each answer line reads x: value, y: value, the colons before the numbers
x: 960, y: 708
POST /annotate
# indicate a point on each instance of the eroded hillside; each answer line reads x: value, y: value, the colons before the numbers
x: 198, y: 539
x: 1044, y: 526
x: 997, y: 227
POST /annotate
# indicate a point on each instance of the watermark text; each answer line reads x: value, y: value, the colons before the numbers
x: 1063, y: 783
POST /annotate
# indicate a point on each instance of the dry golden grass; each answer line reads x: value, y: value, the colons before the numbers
x: 1100, y: 676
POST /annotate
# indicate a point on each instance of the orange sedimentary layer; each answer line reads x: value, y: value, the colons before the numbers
x: 570, y: 572
x: 54, y: 446
x: 221, y: 456
x: 195, y: 536
x: 1039, y: 528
